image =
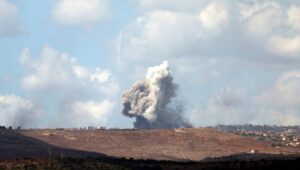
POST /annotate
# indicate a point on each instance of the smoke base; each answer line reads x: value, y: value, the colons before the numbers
x: 148, y: 101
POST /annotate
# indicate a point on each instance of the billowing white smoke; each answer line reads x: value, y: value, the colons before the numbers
x: 148, y: 100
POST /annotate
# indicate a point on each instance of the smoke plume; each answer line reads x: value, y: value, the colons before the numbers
x: 148, y: 101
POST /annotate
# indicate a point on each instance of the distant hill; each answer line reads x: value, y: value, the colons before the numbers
x: 258, y: 128
x: 158, y: 144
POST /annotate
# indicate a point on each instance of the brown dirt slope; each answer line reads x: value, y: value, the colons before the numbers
x: 159, y: 144
x: 15, y: 145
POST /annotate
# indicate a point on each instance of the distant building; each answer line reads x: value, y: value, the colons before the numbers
x: 82, y: 128
x: 101, y: 128
x: 90, y: 128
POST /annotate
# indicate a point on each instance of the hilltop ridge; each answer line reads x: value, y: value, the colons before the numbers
x: 159, y: 144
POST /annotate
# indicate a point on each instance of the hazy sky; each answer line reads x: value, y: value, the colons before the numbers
x: 66, y: 63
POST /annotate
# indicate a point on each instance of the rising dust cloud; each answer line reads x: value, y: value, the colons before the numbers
x: 148, y: 101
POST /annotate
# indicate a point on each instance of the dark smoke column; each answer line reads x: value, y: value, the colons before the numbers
x: 148, y: 100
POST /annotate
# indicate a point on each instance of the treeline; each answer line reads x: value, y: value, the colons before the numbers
x: 10, y: 127
x: 130, y: 164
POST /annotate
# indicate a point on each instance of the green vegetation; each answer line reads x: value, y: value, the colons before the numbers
x: 57, y: 164
x: 125, y: 164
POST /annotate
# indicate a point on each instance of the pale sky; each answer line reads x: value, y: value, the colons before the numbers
x: 66, y: 63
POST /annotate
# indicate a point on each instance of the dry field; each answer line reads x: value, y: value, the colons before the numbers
x: 158, y: 144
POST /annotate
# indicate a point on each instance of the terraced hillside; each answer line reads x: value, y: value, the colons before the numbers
x: 159, y: 144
